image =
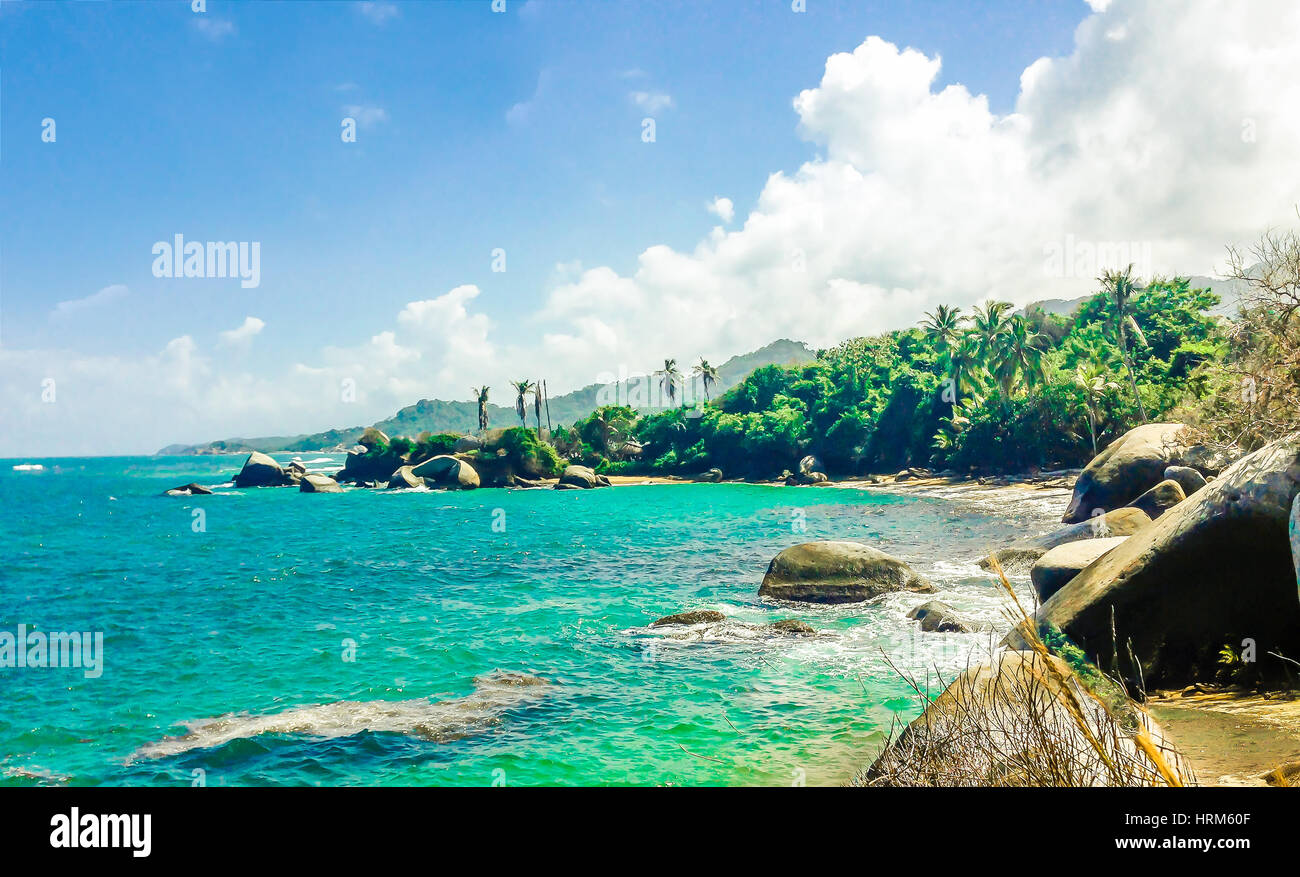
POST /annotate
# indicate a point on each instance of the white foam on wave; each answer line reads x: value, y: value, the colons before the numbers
x: 436, y: 720
x: 29, y: 467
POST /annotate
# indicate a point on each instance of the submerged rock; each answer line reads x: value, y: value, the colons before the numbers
x: 319, y: 484
x: 1054, y: 569
x: 937, y: 617
x: 1020, y: 555
x: 695, y: 616
x: 1212, y: 571
x: 837, y: 572
x: 793, y: 627
x: 189, y: 490
x: 1131, y: 465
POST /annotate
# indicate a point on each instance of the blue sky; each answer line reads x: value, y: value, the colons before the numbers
x: 914, y: 152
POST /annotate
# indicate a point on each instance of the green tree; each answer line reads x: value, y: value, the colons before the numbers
x: 669, y: 379
x: 1119, y: 288
x: 707, y: 374
x: 481, y: 394
x: 522, y: 388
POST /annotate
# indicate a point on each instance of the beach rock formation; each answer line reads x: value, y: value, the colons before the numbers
x: 1159, y: 499
x: 582, y: 477
x: 793, y: 627
x: 1131, y: 465
x: 1054, y: 569
x: 1189, y: 479
x: 1021, y: 554
x: 260, y: 470
x: 1007, y: 723
x: 837, y: 572
x: 938, y: 617
x: 189, y: 490
x: 1214, y: 570
x: 319, y: 484
x: 712, y: 476
x: 447, y: 471
x: 695, y: 616
x: 404, y: 479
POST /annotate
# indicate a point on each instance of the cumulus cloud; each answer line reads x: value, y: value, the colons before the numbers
x: 242, y: 335
x: 94, y: 300
x: 723, y: 209
x: 652, y: 101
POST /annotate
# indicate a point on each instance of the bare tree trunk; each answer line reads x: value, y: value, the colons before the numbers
x: 1128, y: 364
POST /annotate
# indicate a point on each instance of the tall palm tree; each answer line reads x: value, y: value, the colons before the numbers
x: 1091, y: 377
x: 990, y: 324
x: 1120, y: 289
x: 707, y: 374
x: 482, y: 394
x: 943, y: 327
x: 522, y: 388
x: 669, y: 379
x: 1022, y: 354
x: 537, y: 406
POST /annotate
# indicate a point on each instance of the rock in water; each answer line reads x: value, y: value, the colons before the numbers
x: 189, y: 490
x: 837, y: 572
x: 1214, y: 570
x: 1054, y: 569
x: 937, y: 617
x: 582, y: 476
x: 1020, y: 555
x: 696, y: 616
x: 1132, y: 464
x: 404, y: 479
x: 447, y: 471
x: 1159, y: 499
x: 1189, y: 479
x: 319, y: 484
x: 261, y: 471
x: 793, y: 627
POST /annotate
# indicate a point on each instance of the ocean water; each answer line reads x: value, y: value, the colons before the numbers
x: 299, y: 639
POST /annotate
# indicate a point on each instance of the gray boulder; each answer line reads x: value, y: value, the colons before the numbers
x: 712, y: 476
x: 937, y: 617
x: 1020, y: 555
x: 447, y: 471
x: 583, y: 477
x: 1159, y: 499
x: 1054, y: 569
x: 319, y: 484
x: 1214, y: 570
x: 1188, y: 478
x: 837, y: 572
x: 260, y: 470
x: 1131, y: 465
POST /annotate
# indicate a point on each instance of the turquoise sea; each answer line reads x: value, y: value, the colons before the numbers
x: 272, y: 637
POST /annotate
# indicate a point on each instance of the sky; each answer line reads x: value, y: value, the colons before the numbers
x: 439, y: 194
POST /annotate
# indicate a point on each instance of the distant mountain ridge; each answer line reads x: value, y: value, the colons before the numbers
x: 437, y: 415
x: 1229, y: 291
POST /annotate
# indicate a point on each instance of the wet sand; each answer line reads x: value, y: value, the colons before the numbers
x: 1232, y: 738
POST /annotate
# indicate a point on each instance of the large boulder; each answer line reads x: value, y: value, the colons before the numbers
x: 370, y: 466
x: 712, y: 476
x: 937, y: 617
x: 260, y: 470
x: 1159, y: 499
x: 447, y: 471
x: 319, y: 484
x: 1214, y: 570
x: 1021, y: 554
x: 1189, y: 479
x: 1131, y: 465
x: 583, y: 477
x: 1054, y: 569
x: 189, y: 490
x: 373, y: 438
x: 467, y: 443
x: 810, y: 464
x: 404, y: 479
x: 837, y: 572
x: 1010, y: 722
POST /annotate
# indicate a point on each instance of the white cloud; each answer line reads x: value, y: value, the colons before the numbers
x: 520, y: 113
x: 652, y: 101
x: 215, y: 29
x: 722, y: 208
x: 98, y: 299
x: 242, y: 335
x: 378, y: 11
x: 367, y: 115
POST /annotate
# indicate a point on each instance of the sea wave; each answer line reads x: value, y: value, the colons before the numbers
x: 29, y: 467
x: 439, y: 721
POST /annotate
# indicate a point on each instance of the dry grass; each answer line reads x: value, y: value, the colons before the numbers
x: 1026, y: 719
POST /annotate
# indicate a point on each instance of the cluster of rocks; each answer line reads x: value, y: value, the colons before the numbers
x: 787, y: 626
x: 810, y: 473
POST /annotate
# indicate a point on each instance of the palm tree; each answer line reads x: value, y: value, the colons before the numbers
x: 669, y: 379
x: 482, y: 394
x: 1095, y: 383
x: 706, y: 373
x: 521, y: 389
x: 1119, y: 288
x: 537, y: 406
x: 1023, y: 354
x: 990, y: 325
x: 943, y: 327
